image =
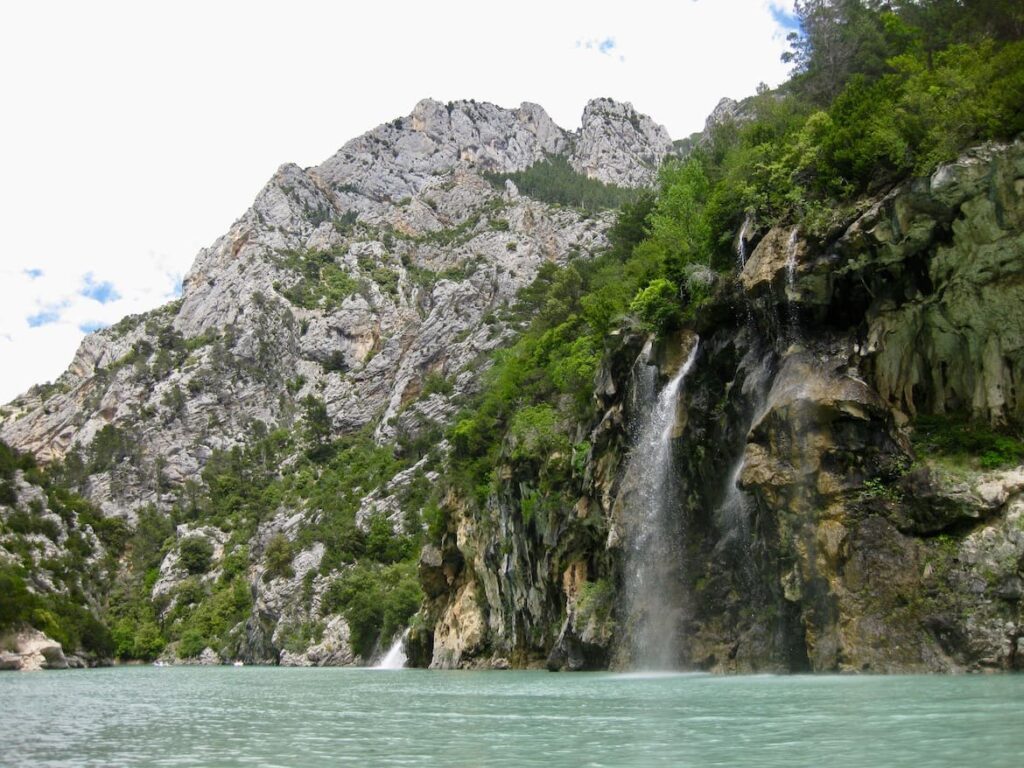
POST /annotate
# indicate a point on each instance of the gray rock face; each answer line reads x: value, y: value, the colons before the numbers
x: 816, y: 533
x: 426, y: 249
x: 32, y: 651
x: 355, y: 281
x: 938, y: 261
x: 618, y: 145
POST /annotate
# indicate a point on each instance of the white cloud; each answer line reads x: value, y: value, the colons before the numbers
x: 135, y: 133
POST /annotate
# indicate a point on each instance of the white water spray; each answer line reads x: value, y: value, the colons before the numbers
x: 791, y: 292
x: 395, y: 657
x: 653, y: 531
x: 741, y: 244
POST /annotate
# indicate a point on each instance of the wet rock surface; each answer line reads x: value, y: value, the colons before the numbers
x: 816, y: 537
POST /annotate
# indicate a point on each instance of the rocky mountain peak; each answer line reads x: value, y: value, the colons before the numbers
x: 371, y: 289
x: 618, y: 145
x: 352, y: 281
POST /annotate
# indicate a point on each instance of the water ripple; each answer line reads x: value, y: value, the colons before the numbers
x: 281, y: 717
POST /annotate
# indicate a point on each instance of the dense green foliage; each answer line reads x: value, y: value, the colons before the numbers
x: 64, y: 615
x: 957, y: 437
x: 881, y: 90
x: 543, y: 381
x: 554, y: 181
x: 376, y: 601
x: 195, y: 554
x: 878, y: 94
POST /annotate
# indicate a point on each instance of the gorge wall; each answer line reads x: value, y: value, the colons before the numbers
x: 374, y: 287
x: 804, y: 525
x: 813, y: 534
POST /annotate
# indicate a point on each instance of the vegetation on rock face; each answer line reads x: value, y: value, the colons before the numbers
x: 376, y: 601
x: 957, y: 438
x: 55, y: 593
x: 195, y: 554
x: 554, y: 181
x: 880, y: 91
x: 318, y: 282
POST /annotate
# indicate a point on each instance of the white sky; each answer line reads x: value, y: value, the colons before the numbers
x: 133, y: 133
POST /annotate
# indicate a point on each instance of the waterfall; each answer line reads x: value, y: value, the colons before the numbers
x: 395, y: 657
x: 741, y: 245
x: 732, y: 514
x: 791, y: 292
x: 654, y: 535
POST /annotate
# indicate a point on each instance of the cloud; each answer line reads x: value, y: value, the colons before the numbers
x: 603, y: 45
x: 784, y: 17
x: 159, y: 180
x: 44, y: 317
x: 103, y: 292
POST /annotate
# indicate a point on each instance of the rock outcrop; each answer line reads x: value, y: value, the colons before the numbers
x: 355, y: 283
x: 30, y: 651
x: 618, y: 145
x: 817, y: 536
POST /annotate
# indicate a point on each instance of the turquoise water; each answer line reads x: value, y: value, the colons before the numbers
x: 229, y: 716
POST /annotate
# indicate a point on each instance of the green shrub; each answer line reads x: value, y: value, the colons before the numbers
x: 109, y: 448
x: 17, y: 603
x: 554, y: 181
x: 658, y: 305
x: 536, y: 432
x: 958, y: 437
x: 148, y: 642
x: 298, y: 637
x: 149, y: 541
x: 376, y: 601
x: 191, y: 644
x: 387, y: 279
x: 384, y: 545
x: 278, y: 557
x: 195, y: 553
x: 436, y: 383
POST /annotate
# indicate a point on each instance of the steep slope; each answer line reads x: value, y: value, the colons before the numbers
x: 360, y: 297
x: 839, y: 502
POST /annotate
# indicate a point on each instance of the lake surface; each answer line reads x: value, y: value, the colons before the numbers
x: 226, y: 716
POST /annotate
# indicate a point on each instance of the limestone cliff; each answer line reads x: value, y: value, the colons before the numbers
x: 373, y: 283
x: 817, y: 533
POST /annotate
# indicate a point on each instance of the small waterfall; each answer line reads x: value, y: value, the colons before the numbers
x: 733, y: 512
x: 395, y: 657
x: 791, y: 291
x: 654, y: 535
x: 741, y: 245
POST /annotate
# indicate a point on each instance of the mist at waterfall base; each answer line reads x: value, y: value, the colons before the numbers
x: 224, y: 716
x: 654, y: 532
x: 395, y: 657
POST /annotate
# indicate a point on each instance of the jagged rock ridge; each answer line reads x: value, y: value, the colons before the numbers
x: 817, y: 536
x: 354, y: 282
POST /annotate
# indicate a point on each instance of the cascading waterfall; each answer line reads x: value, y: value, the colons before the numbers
x: 654, y: 535
x: 733, y: 512
x: 791, y: 292
x: 741, y: 245
x: 395, y: 657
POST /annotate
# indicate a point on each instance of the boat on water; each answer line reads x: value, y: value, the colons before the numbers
x: 238, y: 664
